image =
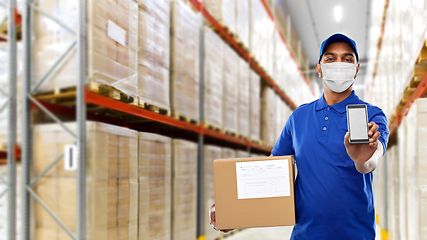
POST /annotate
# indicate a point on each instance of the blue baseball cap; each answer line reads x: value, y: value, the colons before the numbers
x: 338, y: 37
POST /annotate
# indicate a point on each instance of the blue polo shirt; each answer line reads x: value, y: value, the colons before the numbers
x: 332, y: 199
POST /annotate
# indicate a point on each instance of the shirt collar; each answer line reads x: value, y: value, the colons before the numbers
x: 339, y: 107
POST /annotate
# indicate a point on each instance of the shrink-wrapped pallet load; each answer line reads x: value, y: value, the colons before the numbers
x: 254, y: 106
x: 155, y: 190
x: 242, y: 21
x: 4, y: 201
x: 283, y: 111
x: 112, y: 37
x: 184, y: 190
x: 230, y: 91
x: 261, y: 35
x: 281, y: 59
x: 228, y: 153
x: 111, y: 182
x: 243, y: 99
x: 378, y: 186
x: 184, y: 82
x: 153, y: 52
x: 242, y: 154
x: 224, y: 11
x: 402, y: 208
x: 211, y: 153
x: 268, y: 116
x: 416, y: 170
x: 392, y: 192
x: 213, y: 68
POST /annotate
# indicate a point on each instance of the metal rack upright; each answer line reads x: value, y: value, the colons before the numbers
x: 12, y: 116
x: 80, y: 135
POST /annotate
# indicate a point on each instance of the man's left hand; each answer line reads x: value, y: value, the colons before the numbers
x: 361, y: 153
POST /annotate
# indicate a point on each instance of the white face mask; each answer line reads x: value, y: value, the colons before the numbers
x: 338, y: 76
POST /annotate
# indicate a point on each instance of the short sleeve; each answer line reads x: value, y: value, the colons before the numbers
x: 380, y: 119
x: 283, y: 145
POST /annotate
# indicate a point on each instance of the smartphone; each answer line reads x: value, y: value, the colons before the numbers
x: 357, y: 122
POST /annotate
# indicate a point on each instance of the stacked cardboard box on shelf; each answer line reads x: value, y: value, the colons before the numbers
x: 224, y: 11
x: 211, y: 153
x: 268, y: 116
x: 378, y: 186
x: 402, y: 40
x: 254, y: 105
x: 394, y: 203
x: 112, y: 44
x: 153, y: 52
x: 155, y: 190
x: 242, y: 154
x: 416, y: 169
x: 392, y: 193
x: 213, y: 84
x: 281, y: 56
x: 230, y: 98
x: 184, y: 189
x: 402, y: 212
x: 228, y: 153
x: 112, y: 182
x: 4, y: 202
x: 242, y: 21
x: 184, y: 82
x: 283, y: 111
x: 261, y: 35
x: 243, y: 99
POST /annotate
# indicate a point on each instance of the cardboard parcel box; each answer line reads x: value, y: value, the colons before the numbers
x: 254, y: 192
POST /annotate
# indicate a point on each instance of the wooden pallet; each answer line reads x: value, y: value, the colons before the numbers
x: 211, y: 127
x: 240, y: 136
x: 180, y: 117
x: 111, y: 92
x: 67, y: 96
x: 422, y: 57
x: 154, y: 108
x: 229, y: 133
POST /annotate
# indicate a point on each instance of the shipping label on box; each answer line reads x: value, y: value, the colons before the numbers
x: 254, y: 192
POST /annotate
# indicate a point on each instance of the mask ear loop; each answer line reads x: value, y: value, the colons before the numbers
x: 357, y: 72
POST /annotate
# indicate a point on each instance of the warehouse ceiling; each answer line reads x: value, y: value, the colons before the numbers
x: 316, y: 20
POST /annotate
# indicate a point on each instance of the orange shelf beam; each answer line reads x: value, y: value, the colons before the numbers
x: 94, y: 98
x: 419, y: 92
x: 244, y: 54
x: 97, y: 99
x: 17, y: 149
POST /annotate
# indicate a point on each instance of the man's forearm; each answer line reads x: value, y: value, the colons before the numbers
x: 370, y: 165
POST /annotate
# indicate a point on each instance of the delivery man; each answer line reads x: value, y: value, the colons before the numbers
x: 333, y: 189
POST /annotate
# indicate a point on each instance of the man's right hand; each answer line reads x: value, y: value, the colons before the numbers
x: 213, y: 220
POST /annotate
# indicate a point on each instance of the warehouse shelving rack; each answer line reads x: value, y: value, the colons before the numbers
x: 419, y: 92
x: 12, y: 149
x: 247, y: 56
x: 85, y: 97
x: 80, y: 134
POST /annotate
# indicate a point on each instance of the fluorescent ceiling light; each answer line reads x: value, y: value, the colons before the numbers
x: 338, y: 13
